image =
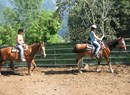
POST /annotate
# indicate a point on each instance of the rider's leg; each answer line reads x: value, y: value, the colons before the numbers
x: 21, y: 51
x: 97, y: 48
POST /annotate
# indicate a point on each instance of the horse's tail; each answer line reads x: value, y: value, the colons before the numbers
x: 74, y: 49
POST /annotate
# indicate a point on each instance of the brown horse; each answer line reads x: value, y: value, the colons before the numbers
x: 87, y: 49
x: 8, y: 54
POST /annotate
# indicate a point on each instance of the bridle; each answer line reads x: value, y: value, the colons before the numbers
x: 42, y: 49
x: 122, y: 43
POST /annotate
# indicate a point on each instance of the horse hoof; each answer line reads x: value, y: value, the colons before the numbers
x: 14, y: 72
x: 30, y: 74
x: 80, y: 72
x: 98, y: 70
x: 112, y: 71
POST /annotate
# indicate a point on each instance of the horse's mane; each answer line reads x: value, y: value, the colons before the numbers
x: 112, y: 44
x: 33, y: 44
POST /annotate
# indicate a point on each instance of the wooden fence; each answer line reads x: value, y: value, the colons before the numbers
x: 61, y: 55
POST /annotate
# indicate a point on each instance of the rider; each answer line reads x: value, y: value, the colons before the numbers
x: 94, y: 40
x: 20, y: 44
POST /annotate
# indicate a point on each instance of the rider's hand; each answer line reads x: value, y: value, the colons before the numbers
x: 102, y: 37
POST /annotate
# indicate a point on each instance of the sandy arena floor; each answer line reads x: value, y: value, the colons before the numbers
x: 66, y: 81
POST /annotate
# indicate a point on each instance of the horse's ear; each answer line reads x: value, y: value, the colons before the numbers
x: 38, y: 43
x: 41, y: 43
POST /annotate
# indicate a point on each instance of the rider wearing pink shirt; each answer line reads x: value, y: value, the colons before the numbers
x: 20, y: 43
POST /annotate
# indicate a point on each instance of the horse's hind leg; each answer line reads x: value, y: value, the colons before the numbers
x: 1, y: 63
x: 29, y: 70
x: 78, y: 65
x: 79, y: 56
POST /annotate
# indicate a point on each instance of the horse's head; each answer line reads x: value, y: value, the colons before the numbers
x: 121, y: 42
x: 42, y: 48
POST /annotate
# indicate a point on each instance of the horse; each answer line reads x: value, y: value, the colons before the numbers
x: 8, y: 54
x: 104, y: 52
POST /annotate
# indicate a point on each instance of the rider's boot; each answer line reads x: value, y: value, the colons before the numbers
x: 23, y: 59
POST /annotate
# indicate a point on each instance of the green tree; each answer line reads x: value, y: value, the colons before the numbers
x: 44, y: 27
x: 111, y: 16
x: 26, y: 10
x: 8, y: 28
x: 121, y: 13
x: 27, y: 14
x: 89, y: 12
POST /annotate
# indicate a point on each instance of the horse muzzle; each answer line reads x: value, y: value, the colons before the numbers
x: 43, y: 54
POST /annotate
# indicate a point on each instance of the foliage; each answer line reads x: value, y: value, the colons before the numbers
x: 110, y: 16
x: 43, y: 28
x: 121, y: 12
x: 55, y: 39
x: 38, y: 24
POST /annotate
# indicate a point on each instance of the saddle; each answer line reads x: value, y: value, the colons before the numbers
x: 15, y: 48
x: 92, y: 48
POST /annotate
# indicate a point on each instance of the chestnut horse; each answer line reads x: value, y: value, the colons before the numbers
x: 87, y: 49
x: 8, y: 54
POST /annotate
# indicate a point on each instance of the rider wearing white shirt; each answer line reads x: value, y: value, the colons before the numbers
x: 20, y: 43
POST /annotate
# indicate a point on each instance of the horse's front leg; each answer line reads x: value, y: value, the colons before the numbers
x: 97, y: 68
x: 106, y: 55
x: 34, y: 64
x: 110, y: 67
x: 29, y: 68
x: 12, y: 66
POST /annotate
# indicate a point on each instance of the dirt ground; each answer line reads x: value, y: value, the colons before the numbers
x: 66, y: 81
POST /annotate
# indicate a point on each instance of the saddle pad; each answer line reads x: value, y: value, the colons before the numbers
x: 14, y: 49
x: 90, y: 47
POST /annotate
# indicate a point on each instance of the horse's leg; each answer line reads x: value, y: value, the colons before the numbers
x: 110, y: 66
x: 1, y: 63
x: 79, y: 56
x: 12, y: 66
x: 29, y: 66
x: 106, y: 55
x: 78, y: 64
x: 99, y: 60
x: 34, y: 65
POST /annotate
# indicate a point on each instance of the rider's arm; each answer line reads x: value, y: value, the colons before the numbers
x: 96, y: 37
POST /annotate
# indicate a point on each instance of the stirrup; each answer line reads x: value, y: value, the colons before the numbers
x: 97, y: 55
x: 23, y: 59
